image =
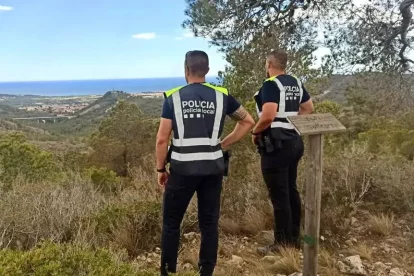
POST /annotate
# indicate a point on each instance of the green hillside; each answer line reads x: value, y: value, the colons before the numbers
x: 88, y: 119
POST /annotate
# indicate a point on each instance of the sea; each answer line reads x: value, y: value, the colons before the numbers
x: 92, y: 87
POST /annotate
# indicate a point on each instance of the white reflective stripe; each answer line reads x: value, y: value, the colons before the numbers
x: 259, y: 113
x: 199, y: 156
x: 300, y: 90
x: 282, y: 101
x: 282, y: 125
x: 218, y: 117
x: 286, y: 114
x: 188, y: 142
x: 178, y: 116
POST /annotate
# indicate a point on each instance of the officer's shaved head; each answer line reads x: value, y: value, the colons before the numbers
x: 277, y: 59
x: 197, y: 64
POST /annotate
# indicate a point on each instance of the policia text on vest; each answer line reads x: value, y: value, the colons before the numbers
x: 195, y: 114
x: 280, y: 146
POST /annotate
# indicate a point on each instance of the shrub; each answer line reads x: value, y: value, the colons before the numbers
x: 104, y: 180
x: 133, y: 226
x: 63, y: 259
x: 47, y: 210
x: 122, y: 139
x: 20, y: 158
x: 328, y: 107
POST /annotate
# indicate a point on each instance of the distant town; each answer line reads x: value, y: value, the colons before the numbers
x: 64, y: 109
x: 60, y: 105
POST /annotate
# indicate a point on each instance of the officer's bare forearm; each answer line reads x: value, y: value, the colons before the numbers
x: 241, y: 129
x: 262, y: 125
x: 304, y: 111
x: 161, y: 151
x: 244, y: 124
x: 306, y: 108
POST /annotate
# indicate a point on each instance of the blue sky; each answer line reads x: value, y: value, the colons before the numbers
x: 95, y: 39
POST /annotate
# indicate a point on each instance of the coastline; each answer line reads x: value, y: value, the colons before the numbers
x: 154, y: 94
x: 67, y: 88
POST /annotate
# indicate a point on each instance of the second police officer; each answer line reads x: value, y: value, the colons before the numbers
x: 280, y: 146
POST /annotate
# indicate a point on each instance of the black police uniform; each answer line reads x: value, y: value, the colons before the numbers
x: 281, y: 148
x: 196, y: 165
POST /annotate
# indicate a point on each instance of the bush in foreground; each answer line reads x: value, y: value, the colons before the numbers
x: 63, y: 259
x: 135, y: 227
x: 20, y: 158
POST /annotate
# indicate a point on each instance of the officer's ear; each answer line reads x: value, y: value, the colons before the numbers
x: 208, y: 70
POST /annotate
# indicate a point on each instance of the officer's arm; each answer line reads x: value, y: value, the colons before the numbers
x: 306, y: 107
x: 269, y: 111
x: 244, y: 124
x: 163, y: 136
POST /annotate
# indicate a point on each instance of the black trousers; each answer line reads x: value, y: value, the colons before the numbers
x: 279, y: 170
x: 178, y: 193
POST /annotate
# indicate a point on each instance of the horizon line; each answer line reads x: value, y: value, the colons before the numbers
x: 97, y: 79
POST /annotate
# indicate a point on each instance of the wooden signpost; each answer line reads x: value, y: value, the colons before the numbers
x: 314, y: 126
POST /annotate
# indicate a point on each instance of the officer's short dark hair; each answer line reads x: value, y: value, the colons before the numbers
x: 197, y: 63
x: 278, y: 59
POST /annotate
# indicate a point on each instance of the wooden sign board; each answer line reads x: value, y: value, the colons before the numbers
x: 316, y: 124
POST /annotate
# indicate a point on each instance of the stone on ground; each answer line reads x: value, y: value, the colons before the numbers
x: 396, y: 272
x: 342, y: 267
x: 269, y: 259
x: 355, y: 265
x: 236, y: 260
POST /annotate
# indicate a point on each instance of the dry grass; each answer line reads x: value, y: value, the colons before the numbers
x: 229, y: 226
x: 405, y: 261
x: 381, y: 224
x: 363, y: 250
x: 327, y: 263
x: 253, y: 222
x: 189, y: 255
x: 289, y: 262
x: 35, y: 211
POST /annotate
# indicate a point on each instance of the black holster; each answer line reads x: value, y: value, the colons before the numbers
x: 267, y: 143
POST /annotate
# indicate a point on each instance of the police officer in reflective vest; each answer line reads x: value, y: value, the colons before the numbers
x: 280, y: 146
x: 195, y: 113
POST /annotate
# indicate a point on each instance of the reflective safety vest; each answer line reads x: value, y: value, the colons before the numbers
x: 199, y: 113
x: 289, y: 105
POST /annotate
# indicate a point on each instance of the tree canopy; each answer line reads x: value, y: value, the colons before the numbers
x: 375, y: 35
x: 120, y: 140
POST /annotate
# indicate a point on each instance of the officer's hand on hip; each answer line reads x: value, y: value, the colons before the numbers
x: 162, y: 179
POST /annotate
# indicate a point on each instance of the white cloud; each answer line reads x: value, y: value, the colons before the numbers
x: 5, y: 8
x: 185, y: 35
x: 144, y: 36
x: 188, y: 34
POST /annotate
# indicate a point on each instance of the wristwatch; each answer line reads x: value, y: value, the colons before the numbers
x: 161, y: 170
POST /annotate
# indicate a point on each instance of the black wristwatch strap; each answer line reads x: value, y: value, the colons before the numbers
x: 161, y: 170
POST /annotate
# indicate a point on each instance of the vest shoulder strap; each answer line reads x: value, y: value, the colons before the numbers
x: 172, y: 91
x: 217, y: 88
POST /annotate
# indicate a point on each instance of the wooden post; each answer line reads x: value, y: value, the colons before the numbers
x: 314, y: 126
x: 313, y: 204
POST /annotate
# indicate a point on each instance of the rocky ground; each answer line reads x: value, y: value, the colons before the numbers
x: 360, y: 252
